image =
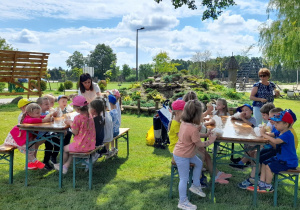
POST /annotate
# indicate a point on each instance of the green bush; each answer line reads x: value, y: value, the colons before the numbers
x: 61, y: 88
x: 148, y: 90
x: 33, y: 84
x: 205, y: 85
x: 68, y: 84
x: 214, y: 96
x: 203, y: 98
x: 102, y: 85
x: 232, y: 94
x: 2, y: 86
x: 285, y: 90
x: 219, y: 87
x: 148, y: 80
x: 136, y: 95
x: 131, y: 78
x: 167, y: 78
x: 184, y: 71
x: 43, y: 85
x: 178, y: 95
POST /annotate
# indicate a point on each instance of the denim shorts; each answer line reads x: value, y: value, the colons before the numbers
x: 276, y: 165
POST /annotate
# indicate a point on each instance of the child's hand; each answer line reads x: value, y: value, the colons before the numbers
x: 212, y: 137
x: 263, y: 100
x: 47, y: 119
x: 262, y: 131
x: 68, y: 122
x: 209, y: 109
x: 243, y: 115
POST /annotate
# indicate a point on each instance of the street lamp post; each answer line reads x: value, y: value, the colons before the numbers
x: 137, y: 35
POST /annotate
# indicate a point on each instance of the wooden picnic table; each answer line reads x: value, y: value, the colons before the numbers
x: 236, y: 131
x: 57, y: 131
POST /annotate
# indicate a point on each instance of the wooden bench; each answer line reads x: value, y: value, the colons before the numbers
x: 292, y: 175
x: 80, y: 158
x: 123, y: 133
x: 7, y: 154
x: 18, y: 65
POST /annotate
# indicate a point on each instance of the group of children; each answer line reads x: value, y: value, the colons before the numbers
x: 186, y: 131
x: 94, y: 125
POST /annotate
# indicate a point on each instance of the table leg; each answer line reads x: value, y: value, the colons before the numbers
x: 216, y: 144
x: 26, y: 158
x: 127, y: 143
x: 11, y: 166
x: 61, y: 151
x: 256, y: 175
x: 232, y: 149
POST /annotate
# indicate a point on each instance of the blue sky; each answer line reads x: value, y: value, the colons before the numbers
x: 61, y: 27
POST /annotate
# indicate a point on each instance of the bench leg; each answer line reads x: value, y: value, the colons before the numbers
x: 276, y: 189
x: 11, y: 166
x: 296, y: 190
x: 190, y: 182
x: 74, y: 171
x: 171, y: 182
x: 90, y: 172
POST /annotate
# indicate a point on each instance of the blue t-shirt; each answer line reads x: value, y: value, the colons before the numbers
x: 115, y: 119
x: 264, y: 91
x: 287, y: 151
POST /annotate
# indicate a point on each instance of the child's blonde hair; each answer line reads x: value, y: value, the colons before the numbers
x: 40, y: 100
x: 49, y: 96
x: 224, y: 102
x: 192, y: 112
x: 29, y: 109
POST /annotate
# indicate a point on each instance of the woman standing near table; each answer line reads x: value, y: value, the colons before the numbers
x: 87, y: 88
x: 262, y: 92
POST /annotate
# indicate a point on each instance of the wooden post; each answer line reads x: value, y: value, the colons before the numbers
x: 139, y: 106
x: 156, y: 104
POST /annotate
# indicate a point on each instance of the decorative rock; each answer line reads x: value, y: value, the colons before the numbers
x: 157, y: 79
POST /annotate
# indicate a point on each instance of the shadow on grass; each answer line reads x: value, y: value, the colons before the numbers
x: 162, y: 152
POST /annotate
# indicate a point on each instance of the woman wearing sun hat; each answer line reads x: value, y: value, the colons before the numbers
x: 262, y: 92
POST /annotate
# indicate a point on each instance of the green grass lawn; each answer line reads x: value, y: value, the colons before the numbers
x: 140, y: 181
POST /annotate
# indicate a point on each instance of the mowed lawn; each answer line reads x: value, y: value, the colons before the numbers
x: 140, y: 181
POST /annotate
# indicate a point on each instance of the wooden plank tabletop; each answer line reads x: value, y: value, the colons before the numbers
x: 236, y: 131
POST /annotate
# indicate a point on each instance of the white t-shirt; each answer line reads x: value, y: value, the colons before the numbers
x: 90, y: 95
x: 108, y: 128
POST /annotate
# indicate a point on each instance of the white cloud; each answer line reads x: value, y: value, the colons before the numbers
x: 26, y: 36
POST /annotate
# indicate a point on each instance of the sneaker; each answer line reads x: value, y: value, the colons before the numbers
x: 109, y: 154
x: 225, y: 176
x: 31, y: 166
x: 245, y: 184
x: 39, y: 164
x: 235, y: 160
x: 237, y: 166
x: 65, y: 169
x: 262, y: 189
x: 53, y: 160
x: 203, y: 181
x: 48, y: 166
x: 197, y: 190
x: 115, y: 151
x: 95, y: 157
x: 186, y: 205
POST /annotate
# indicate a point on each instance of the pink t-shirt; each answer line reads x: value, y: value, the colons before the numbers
x: 188, y: 140
x: 85, y: 140
x: 20, y: 135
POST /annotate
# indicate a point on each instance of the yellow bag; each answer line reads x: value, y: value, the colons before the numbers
x: 150, y: 139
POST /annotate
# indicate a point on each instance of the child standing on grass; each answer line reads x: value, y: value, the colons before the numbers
x: 22, y: 104
x: 174, y: 126
x: 83, y: 128
x: 17, y: 137
x: 286, y: 157
x: 184, y: 152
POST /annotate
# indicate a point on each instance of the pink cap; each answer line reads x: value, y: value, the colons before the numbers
x: 178, y: 105
x: 116, y: 93
x: 79, y: 101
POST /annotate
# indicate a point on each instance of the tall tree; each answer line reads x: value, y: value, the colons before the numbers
x: 145, y: 71
x: 125, y: 71
x: 280, y: 40
x: 115, y: 70
x: 76, y: 60
x: 214, y: 8
x: 4, y: 45
x: 162, y: 63
x: 101, y: 59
